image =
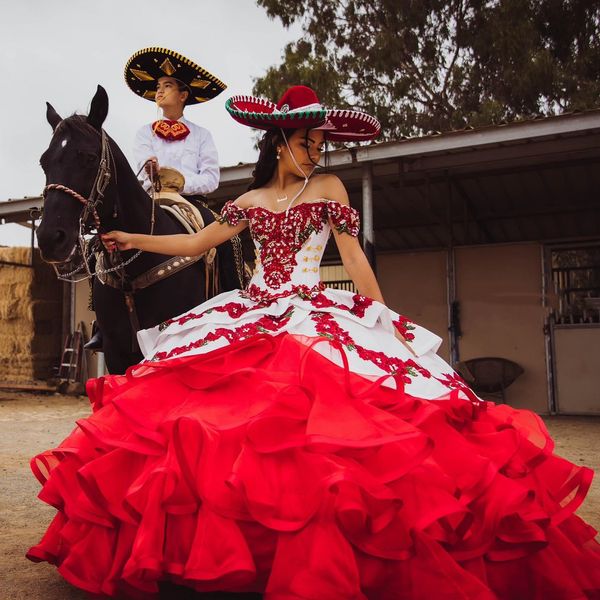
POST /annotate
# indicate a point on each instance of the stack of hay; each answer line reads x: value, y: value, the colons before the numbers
x: 30, y: 318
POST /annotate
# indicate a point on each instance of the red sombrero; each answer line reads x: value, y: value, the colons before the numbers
x: 299, y: 107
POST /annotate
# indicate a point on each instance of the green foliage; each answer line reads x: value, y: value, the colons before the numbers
x: 434, y: 65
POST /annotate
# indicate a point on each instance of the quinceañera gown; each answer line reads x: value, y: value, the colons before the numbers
x: 283, y: 440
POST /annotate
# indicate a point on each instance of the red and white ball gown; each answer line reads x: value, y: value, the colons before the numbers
x: 282, y: 440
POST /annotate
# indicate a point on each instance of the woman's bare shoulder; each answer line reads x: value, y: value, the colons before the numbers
x: 249, y: 199
x: 330, y: 186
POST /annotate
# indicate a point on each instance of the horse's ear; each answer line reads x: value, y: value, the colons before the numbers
x: 98, y: 109
x: 53, y: 117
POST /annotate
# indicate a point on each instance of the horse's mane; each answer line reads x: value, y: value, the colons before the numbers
x: 79, y: 123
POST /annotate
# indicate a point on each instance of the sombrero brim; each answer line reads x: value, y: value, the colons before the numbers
x: 349, y: 126
x: 147, y: 66
x: 263, y: 114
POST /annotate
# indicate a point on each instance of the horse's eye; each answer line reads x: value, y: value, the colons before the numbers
x: 86, y: 159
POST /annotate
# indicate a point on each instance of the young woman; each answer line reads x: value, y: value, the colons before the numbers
x: 307, y: 443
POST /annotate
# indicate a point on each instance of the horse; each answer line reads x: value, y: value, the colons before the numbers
x: 90, y: 186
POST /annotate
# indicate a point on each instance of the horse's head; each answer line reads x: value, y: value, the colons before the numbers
x: 71, y: 164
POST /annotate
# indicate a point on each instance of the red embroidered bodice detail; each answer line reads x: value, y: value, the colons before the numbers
x: 279, y: 236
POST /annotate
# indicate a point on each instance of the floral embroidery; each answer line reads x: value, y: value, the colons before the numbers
x: 344, y: 218
x: 417, y: 367
x: 234, y: 309
x: 265, y: 297
x: 266, y: 324
x: 231, y: 214
x: 454, y: 381
x: 404, y: 326
x: 361, y: 303
x: 328, y: 327
x: 280, y: 235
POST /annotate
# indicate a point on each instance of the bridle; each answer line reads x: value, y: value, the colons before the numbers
x: 103, y: 176
x: 89, y: 219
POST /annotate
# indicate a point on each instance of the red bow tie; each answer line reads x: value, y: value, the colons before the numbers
x: 171, y: 131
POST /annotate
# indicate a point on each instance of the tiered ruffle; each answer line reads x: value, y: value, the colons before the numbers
x: 264, y: 467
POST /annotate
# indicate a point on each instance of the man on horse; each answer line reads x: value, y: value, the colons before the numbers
x: 174, y: 82
x: 174, y: 142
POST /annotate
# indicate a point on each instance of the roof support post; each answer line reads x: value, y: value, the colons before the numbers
x: 367, y: 214
x: 453, y: 303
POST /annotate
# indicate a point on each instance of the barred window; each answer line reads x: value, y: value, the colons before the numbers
x: 576, y: 280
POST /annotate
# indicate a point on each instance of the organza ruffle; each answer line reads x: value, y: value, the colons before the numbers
x: 264, y: 467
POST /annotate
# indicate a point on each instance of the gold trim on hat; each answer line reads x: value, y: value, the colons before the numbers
x: 142, y: 75
x: 167, y: 67
x: 169, y: 58
x: 149, y: 94
x: 200, y: 83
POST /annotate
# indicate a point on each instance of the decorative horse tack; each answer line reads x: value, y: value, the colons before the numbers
x: 72, y: 160
x: 101, y: 181
x: 109, y: 275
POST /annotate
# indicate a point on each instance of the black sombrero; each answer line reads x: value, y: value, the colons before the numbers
x: 148, y: 65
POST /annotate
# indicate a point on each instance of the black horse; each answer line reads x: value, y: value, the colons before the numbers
x: 88, y: 179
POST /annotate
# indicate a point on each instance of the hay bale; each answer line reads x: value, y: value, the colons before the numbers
x: 30, y: 317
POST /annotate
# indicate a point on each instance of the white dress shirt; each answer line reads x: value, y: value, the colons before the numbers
x: 195, y: 157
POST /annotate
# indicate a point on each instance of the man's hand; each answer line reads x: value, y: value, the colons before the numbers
x: 151, y: 167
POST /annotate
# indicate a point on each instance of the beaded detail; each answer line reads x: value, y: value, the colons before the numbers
x: 281, y: 235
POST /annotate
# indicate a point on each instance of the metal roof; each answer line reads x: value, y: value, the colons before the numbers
x: 535, y: 180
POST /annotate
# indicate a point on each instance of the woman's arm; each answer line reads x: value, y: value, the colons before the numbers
x: 353, y: 258
x: 356, y: 264
x: 182, y: 244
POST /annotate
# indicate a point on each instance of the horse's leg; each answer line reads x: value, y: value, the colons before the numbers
x: 117, y: 359
x: 228, y: 273
x: 113, y: 320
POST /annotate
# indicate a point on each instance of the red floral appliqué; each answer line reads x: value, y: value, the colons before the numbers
x: 234, y: 309
x: 454, y: 381
x: 404, y: 327
x: 266, y: 324
x: 281, y: 235
x: 264, y: 297
x: 327, y: 327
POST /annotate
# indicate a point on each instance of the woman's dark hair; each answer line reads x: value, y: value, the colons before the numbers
x: 267, y: 157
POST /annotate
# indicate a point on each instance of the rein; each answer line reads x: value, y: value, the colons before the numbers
x: 90, y: 204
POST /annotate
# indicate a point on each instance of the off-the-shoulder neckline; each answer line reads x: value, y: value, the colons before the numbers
x: 281, y: 212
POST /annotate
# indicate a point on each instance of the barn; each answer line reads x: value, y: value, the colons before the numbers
x: 490, y: 237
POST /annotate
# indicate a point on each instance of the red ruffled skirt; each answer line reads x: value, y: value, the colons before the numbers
x: 264, y: 467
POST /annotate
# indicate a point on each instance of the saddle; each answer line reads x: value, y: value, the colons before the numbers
x: 170, y: 183
x: 168, y: 196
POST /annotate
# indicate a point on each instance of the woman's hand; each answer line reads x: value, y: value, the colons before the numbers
x: 117, y: 239
x: 404, y: 342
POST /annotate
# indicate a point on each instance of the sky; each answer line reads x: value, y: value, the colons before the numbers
x: 59, y: 51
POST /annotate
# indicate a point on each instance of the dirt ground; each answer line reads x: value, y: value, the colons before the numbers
x: 30, y: 423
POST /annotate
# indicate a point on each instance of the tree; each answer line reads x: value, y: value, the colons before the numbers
x: 435, y: 65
